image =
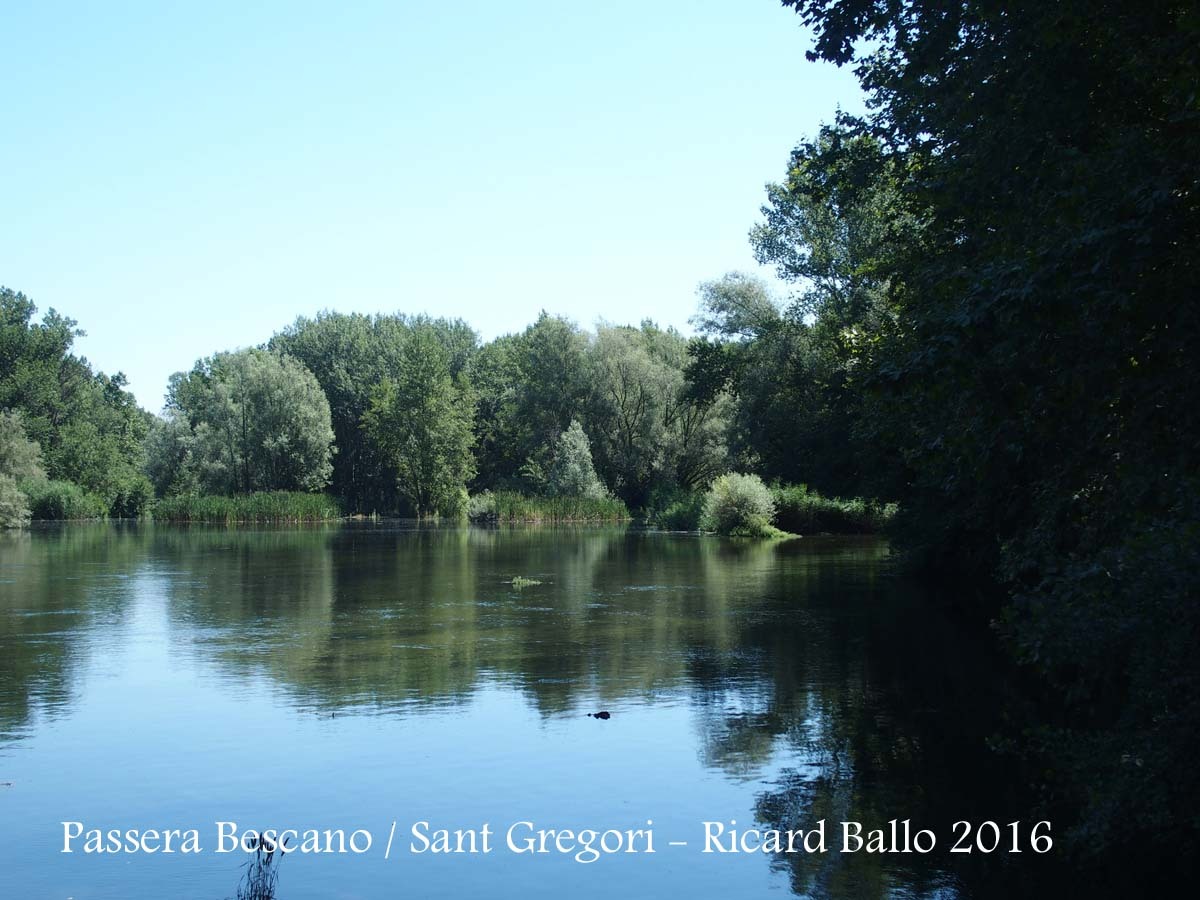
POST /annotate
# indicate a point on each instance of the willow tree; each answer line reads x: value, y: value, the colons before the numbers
x: 648, y: 427
x: 258, y: 421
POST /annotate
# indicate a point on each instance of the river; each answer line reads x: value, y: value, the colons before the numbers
x: 350, y: 677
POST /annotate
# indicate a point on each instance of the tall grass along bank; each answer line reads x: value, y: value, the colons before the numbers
x: 268, y: 507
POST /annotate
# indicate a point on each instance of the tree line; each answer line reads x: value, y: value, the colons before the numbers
x: 395, y: 414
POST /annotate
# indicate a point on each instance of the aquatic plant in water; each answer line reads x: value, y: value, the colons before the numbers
x: 262, y: 873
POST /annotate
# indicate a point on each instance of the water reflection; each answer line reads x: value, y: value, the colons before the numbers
x: 55, y: 587
x: 356, y: 616
x: 816, y: 685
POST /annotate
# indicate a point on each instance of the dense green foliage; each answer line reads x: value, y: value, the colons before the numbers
x: 739, y: 505
x: 266, y: 507
x: 797, y: 510
x: 1023, y: 364
x: 650, y: 428
x: 421, y: 420
x: 87, y: 426
x: 247, y: 421
x: 674, y: 508
x: 554, y: 420
x: 626, y: 387
x: 350, y: 355
x: 393, y: 414
x: 62, y: 500
x: 801, y: 511
x: 20, y: 459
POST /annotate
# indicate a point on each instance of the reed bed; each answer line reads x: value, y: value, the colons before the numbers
x: 267, y: 507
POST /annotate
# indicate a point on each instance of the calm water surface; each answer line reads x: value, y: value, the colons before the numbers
x: 352, y: 676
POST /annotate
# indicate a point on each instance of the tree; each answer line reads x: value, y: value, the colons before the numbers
x: 170, y: 459
x: 421, y: 418
x: 571, y: 471
x: 500, y: 446
x: 796, y: 368
x: 89, y: 428
x: 649, y: 428
x: 752, y: 351
x: 259, y: 421
x: 530, y: 386
x: 737, y: 306
x: 350, y: 354
x: 830, y: 230
x: 1037, y: 382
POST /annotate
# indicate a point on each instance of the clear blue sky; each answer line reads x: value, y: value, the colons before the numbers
x: 187, y: 178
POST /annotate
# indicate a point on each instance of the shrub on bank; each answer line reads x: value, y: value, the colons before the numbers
x: 802, y: 511
x: 481, y: 507
x: 62, y: 500
x: 132, y: 498
x: 14, y: 508
x: 739, y: 505
x: 509, y: 506
x: 674, y: 509
x: 265, y: 507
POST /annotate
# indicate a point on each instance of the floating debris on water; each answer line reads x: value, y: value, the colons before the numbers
x: 522, y: 582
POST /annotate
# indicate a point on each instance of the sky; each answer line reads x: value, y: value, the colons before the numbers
x: 188, y: 178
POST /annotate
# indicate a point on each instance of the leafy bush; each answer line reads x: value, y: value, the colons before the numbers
x: 509, y: 506
x: 675, y: 509
x: 14, y: 507
x: 481, y: 507
x: 684, y: 514
x: 802, y: 511
x: 739, y: 505
x: 262, y: 508
x: 132, y: 498
x: 49, y: 499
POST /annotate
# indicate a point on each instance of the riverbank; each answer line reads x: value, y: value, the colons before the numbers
x: 510, y: 507
x: 789, y: 510
x: 796, y: 511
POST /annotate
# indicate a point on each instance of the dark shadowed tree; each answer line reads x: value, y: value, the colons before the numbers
x: 1037, y: 384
